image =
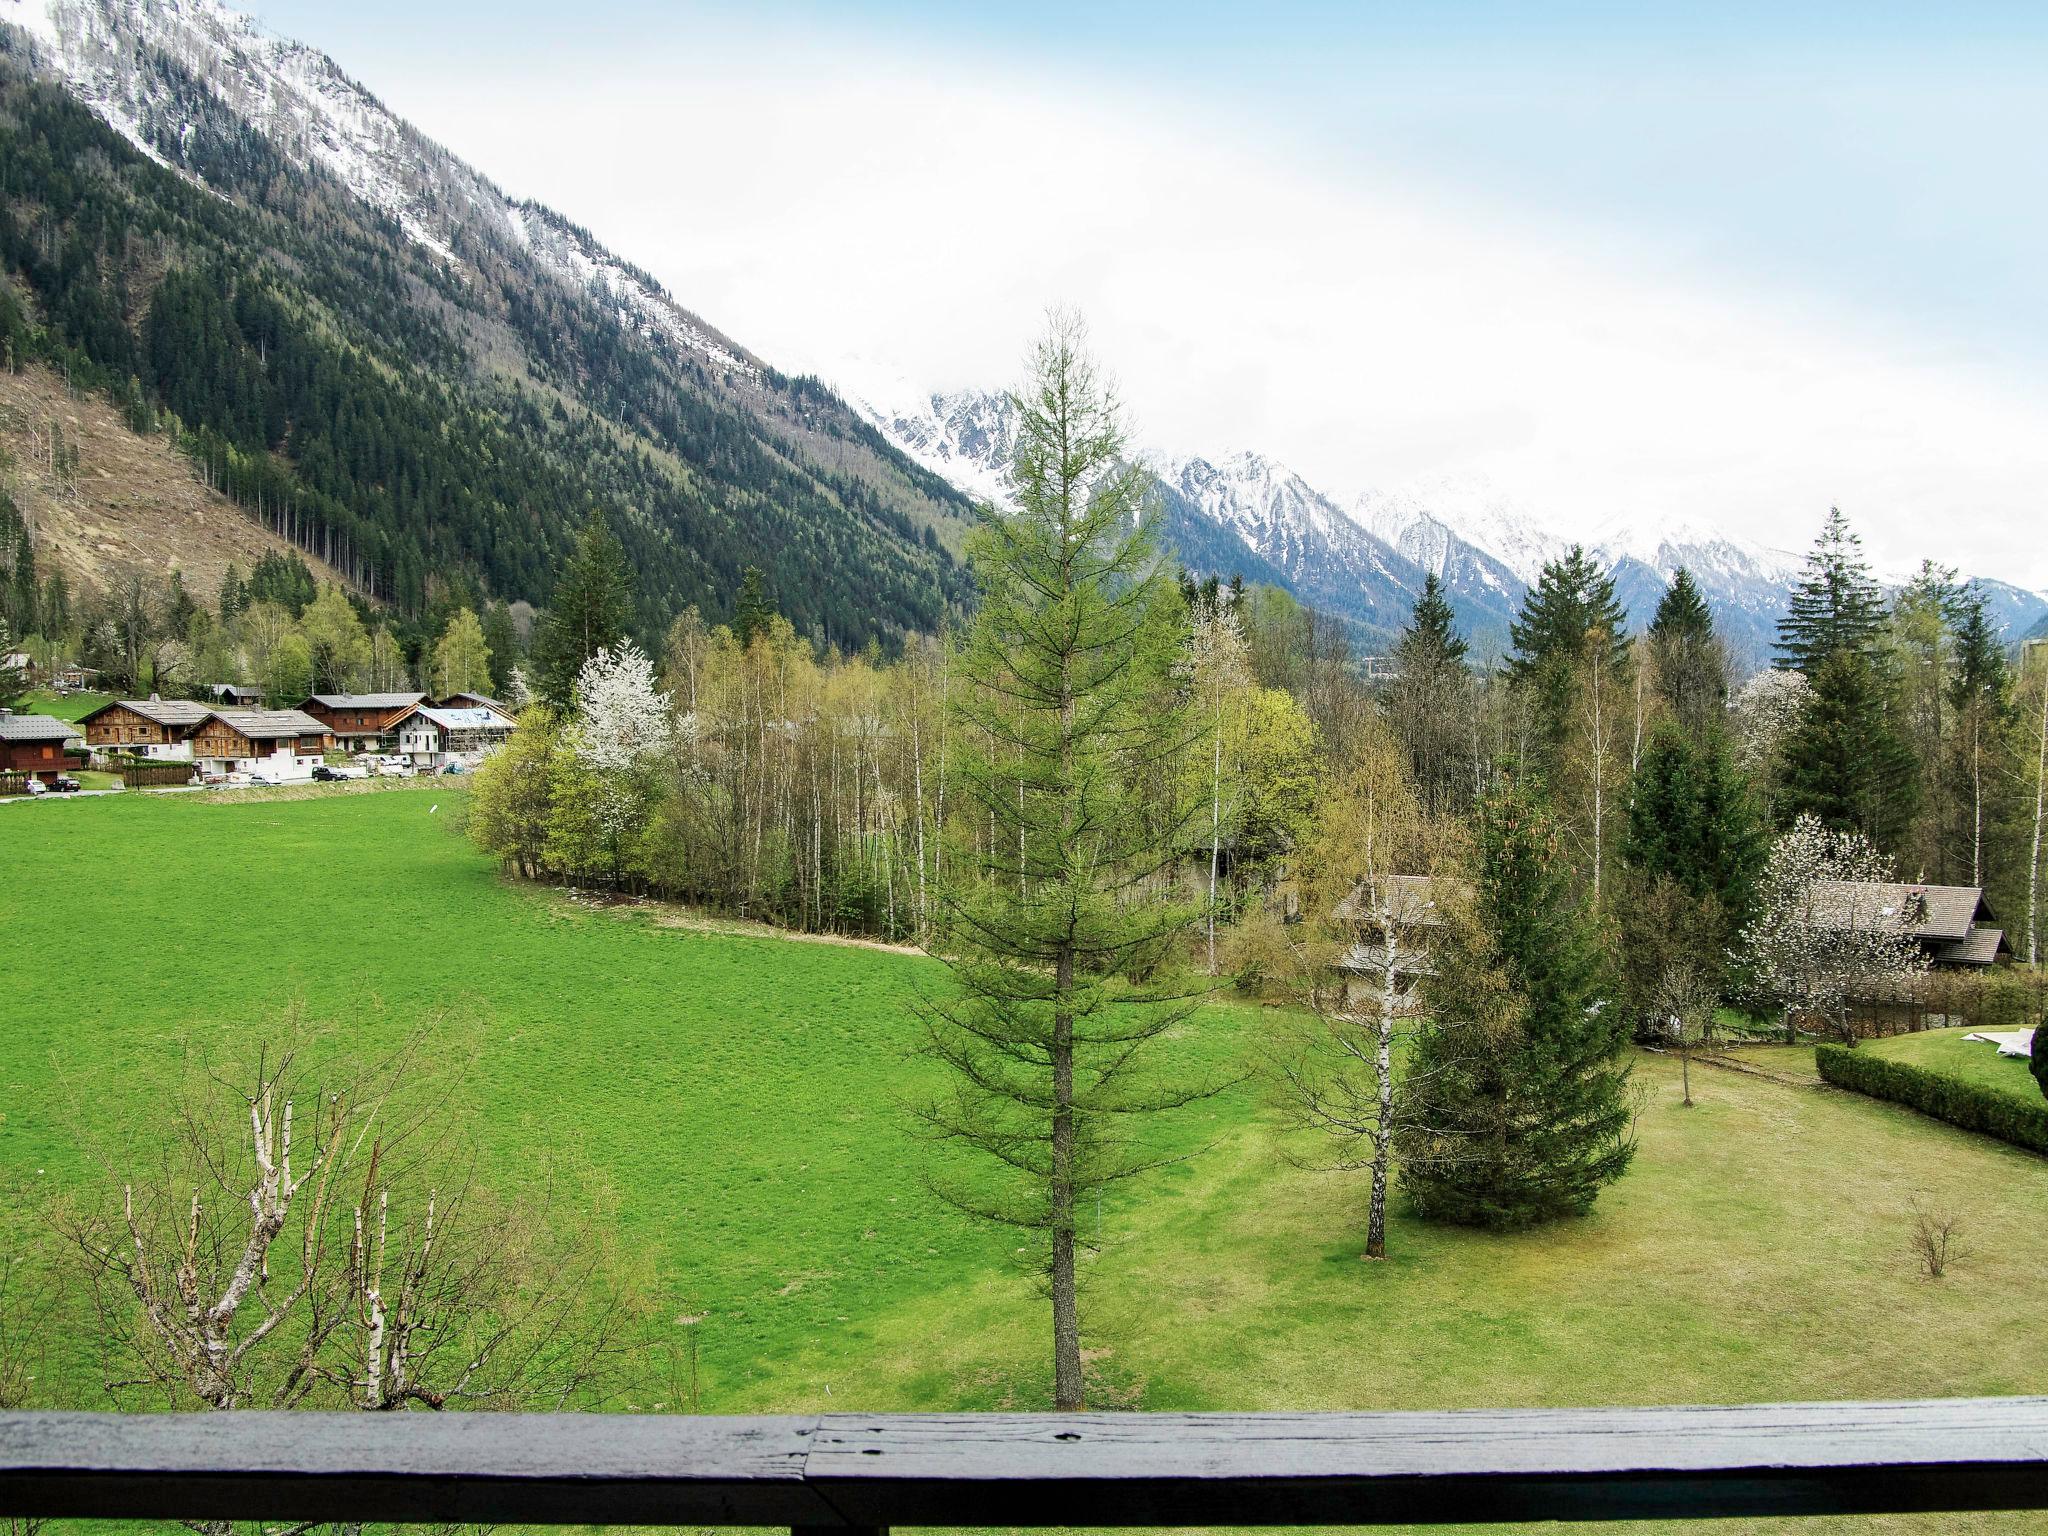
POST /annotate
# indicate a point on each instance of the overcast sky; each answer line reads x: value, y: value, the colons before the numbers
x: 1723, y: 264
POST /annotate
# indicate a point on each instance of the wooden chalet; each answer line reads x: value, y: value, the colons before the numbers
x: 235, y: 695
x: 35, y: 745
x: 361, y: 722
x: 285, y: 743
x: 1953, y: 924
x: 150, y: 727
x: 475, y: 701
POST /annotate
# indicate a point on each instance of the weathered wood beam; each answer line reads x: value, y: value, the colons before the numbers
x: 869, y: 1472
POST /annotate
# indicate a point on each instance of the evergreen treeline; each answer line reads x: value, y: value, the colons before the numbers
x: 407, y: 421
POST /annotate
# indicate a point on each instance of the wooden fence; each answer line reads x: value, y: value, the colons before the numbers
x: 864, y: 1473
x: 143, y: 775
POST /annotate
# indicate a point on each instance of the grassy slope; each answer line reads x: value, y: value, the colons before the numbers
x: 742, y: 1099
x: 61, y: 706
x: 1974, y: 1061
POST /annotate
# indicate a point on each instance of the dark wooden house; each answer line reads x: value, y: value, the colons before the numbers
x: 35, y: 745
x: 150, y: 727
x: 361, y: 722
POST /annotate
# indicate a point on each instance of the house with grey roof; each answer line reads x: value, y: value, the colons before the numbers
x: 153, y: 727
x: 35, y: 745
x: 361, y: 722
x: 1953, y: 924
x: 433, y: 737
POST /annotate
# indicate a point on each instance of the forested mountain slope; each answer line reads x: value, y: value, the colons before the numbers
x: 434, y: 382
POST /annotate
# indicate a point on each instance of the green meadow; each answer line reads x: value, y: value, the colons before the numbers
x: 734, y: 1107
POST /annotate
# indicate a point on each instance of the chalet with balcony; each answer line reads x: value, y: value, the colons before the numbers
x: 360, y: 722
x: 35, y: 745
x: 151, y: 727
x: 284, y: 744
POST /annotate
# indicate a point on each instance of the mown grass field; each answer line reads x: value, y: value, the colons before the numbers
x: 1974, y: 1061
x: 62, y: 706
x: 738, y: 1102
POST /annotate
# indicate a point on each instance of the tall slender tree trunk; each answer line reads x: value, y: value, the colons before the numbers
x: 2034, y: 863
x: 1067, y: 1391
x: 1215, y: 831
x: 1383, y: 1081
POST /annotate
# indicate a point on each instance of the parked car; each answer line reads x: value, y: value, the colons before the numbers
x: 37, y: 787
x: 453, y: 768
x: 327, y: 775
x: 394, y: 768
x: 65, y: 785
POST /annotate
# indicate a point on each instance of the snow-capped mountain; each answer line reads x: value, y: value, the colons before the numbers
x: 515, y: 371
x: 299, y: 99
x: 1246, y: 514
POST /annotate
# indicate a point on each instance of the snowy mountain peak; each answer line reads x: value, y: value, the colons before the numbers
x: 1260, y: 498
x: 131, y: 61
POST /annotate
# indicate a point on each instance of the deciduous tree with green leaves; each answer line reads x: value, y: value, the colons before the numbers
x: 1064, y: 947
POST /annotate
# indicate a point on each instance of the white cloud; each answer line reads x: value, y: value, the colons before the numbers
x: 823, y: 206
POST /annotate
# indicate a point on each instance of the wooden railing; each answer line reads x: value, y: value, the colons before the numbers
x: 867, y: 1472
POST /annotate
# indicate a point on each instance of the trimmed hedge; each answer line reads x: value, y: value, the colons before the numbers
x: 1968, y: 1105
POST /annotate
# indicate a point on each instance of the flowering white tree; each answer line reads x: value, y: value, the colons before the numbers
x: 623, y: 719
x: 624, y: 726
x: 1766, y: 708
x: 1831, y: 923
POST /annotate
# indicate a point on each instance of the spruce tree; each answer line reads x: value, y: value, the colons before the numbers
x: 1846, y: 763
x: 1571, y: 609
x: 1518, y: 1109
x: 1429, y: 701
x: 1064, y: 952
x: 1691, y: 663
x: 751, y: 610
x: 1691, y: 818
x: 1981, y: 698
x: 589, y: 612
x: 1836, y: 605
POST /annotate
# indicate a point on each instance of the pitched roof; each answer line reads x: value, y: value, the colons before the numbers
x: 1932, y: 913
x: 270, y: 724
x: 452, y: 702
x: 170, y: 713
x: 35, y: 728
x: 364, y: 700
x: 1410, y: 898
x: 1981, y: 946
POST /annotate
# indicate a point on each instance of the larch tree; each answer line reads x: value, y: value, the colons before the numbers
x: 1059, y: 933
x: 336, y: 641
x: 1518, y: 1108
x: 462, y: 657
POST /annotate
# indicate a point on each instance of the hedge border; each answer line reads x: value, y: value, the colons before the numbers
x: 1968, y: 1105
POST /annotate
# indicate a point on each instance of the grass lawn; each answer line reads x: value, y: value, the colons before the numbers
x: 61, y: 706
x: 1974, y: 1061
x: 741, y: 1100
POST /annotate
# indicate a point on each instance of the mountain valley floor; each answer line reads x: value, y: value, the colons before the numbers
x: 736, y: 1111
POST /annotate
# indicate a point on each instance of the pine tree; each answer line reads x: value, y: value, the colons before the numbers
x: 1571, y: 609
x: 1690, y: 661
x: 1846, y: 762
x: 751, y: 610
x: 1429, y: 701
x: 589, y: 612
x: 501, y: 639
x: 1836, y: 605
x: 1063, y: 953
x: 1518, y: 1109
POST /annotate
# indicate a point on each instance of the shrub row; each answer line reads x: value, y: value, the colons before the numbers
x: 1969, y: 1105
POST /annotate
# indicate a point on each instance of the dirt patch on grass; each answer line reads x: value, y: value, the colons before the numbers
x: 665, y: 914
